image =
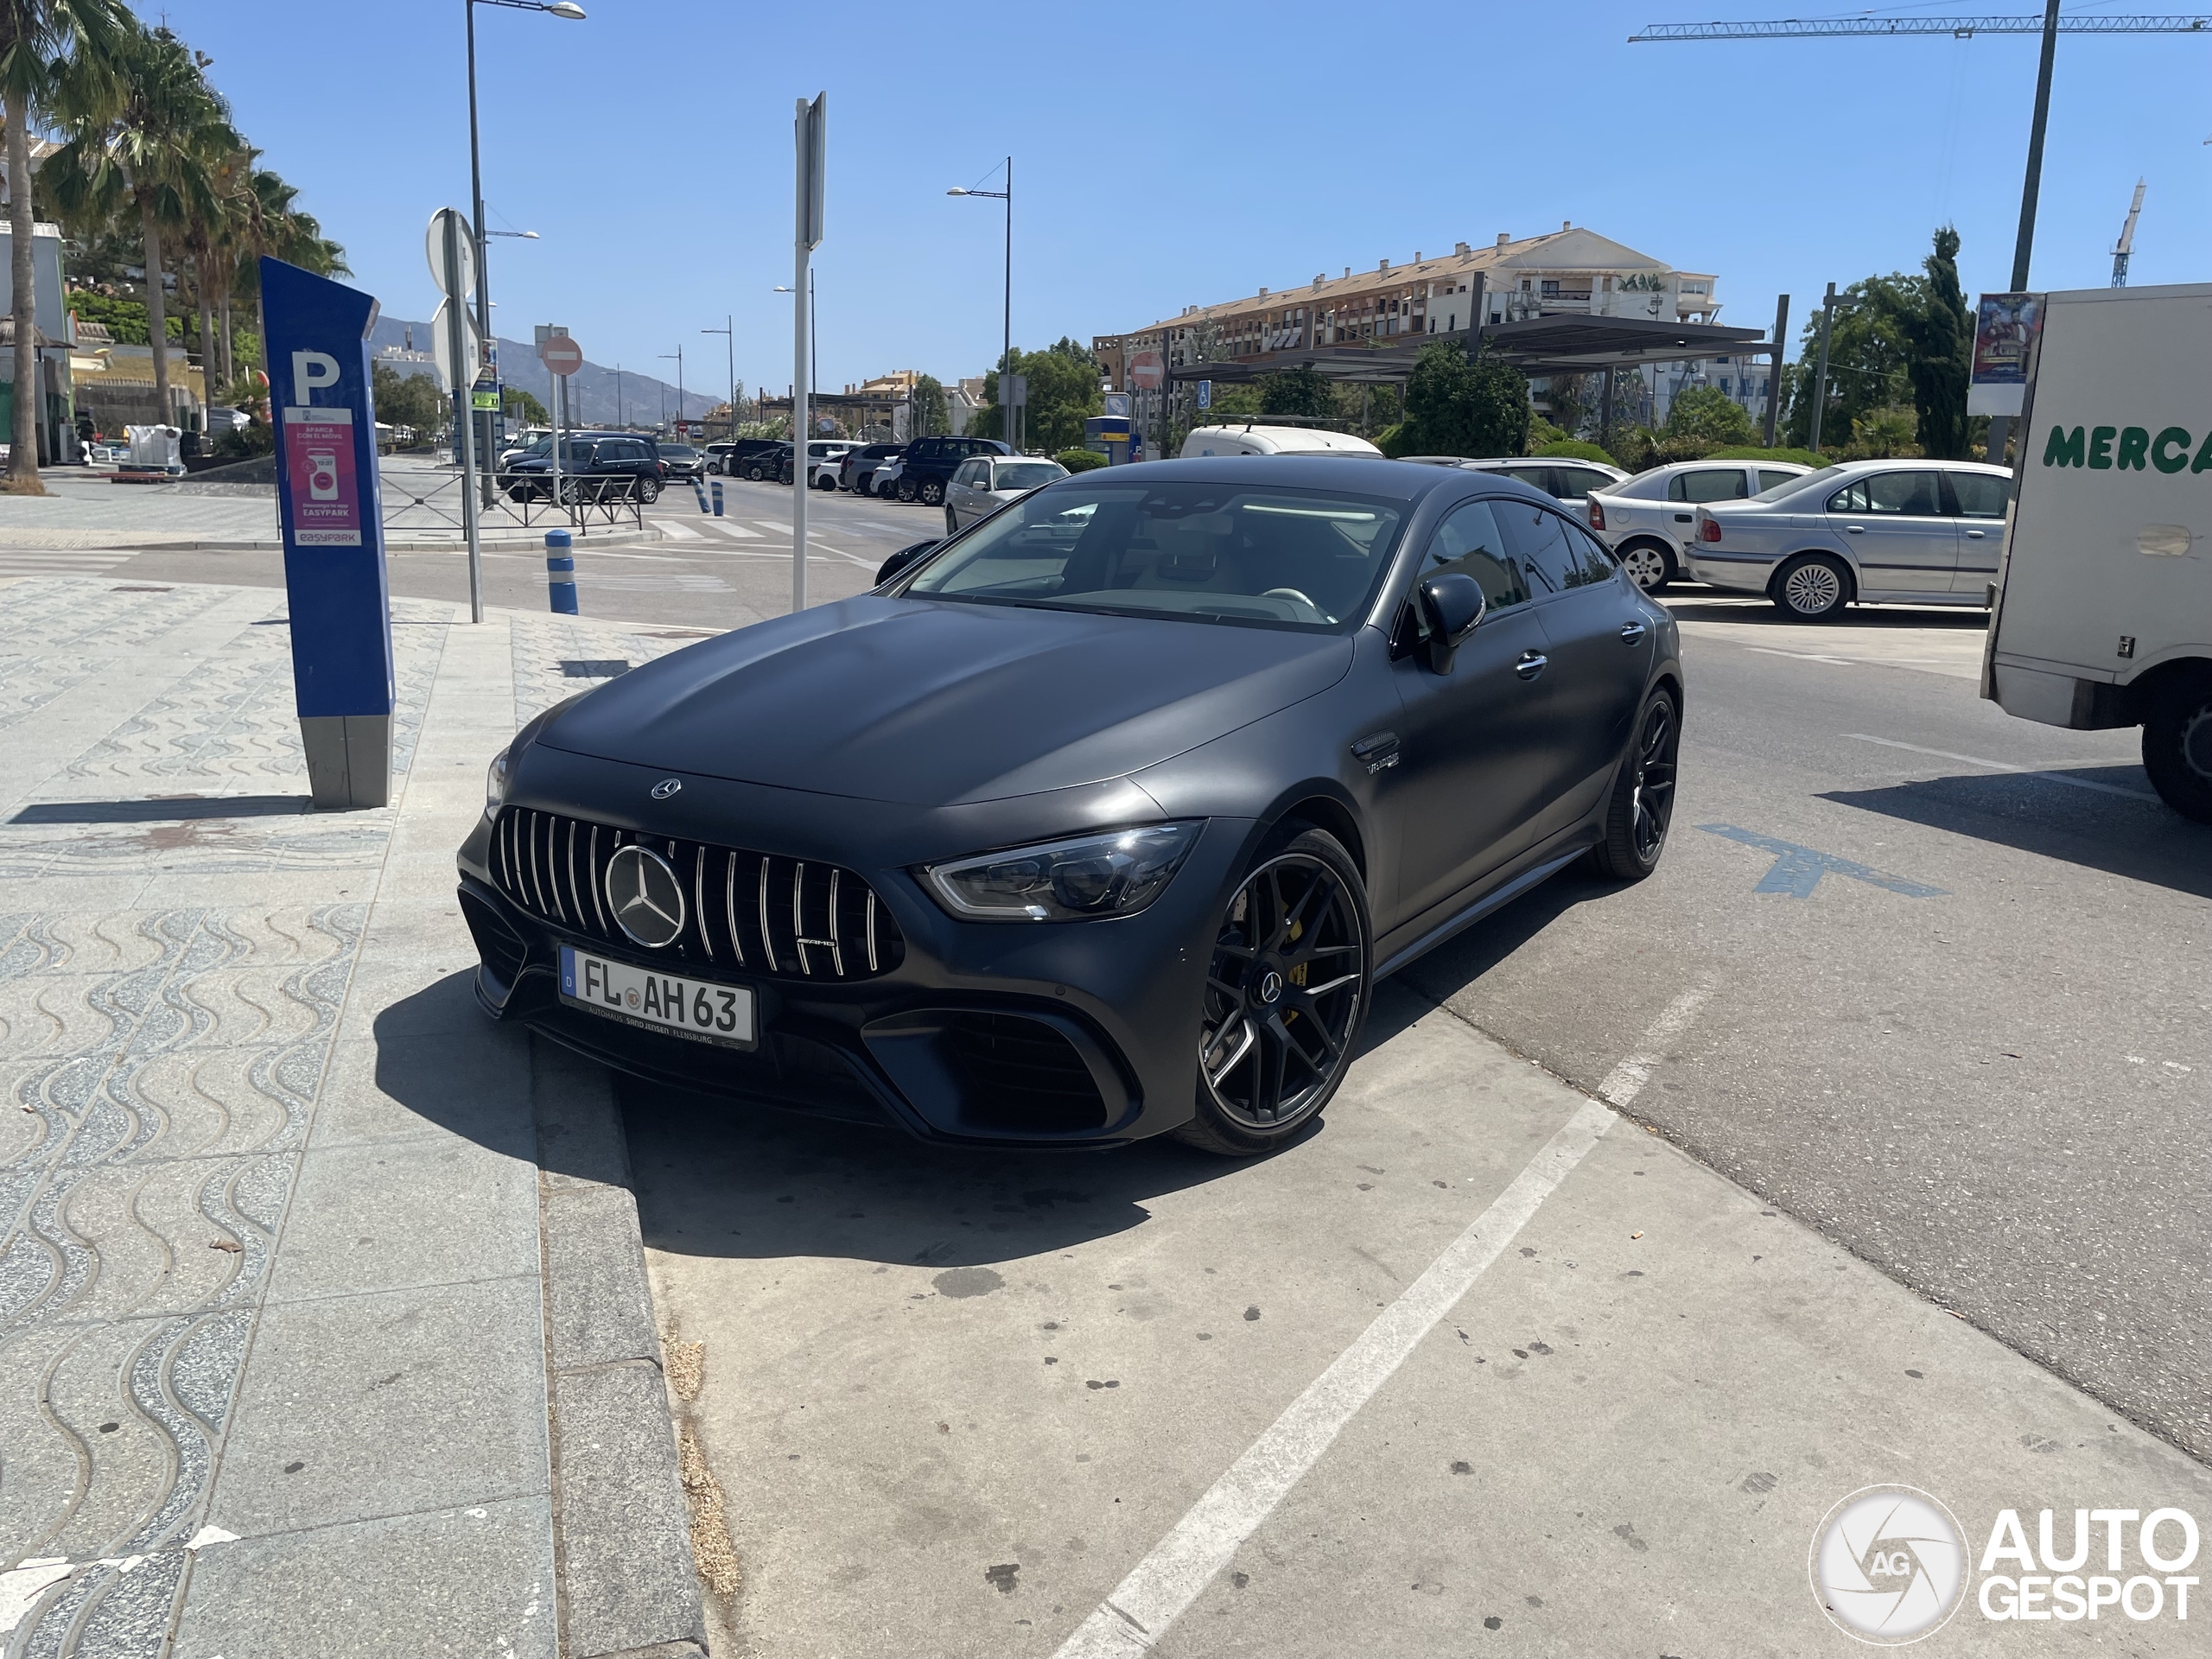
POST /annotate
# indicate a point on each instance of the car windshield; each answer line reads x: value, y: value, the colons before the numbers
x: 1211, y: 552
x: 1803, y: 482
x: 681, y: 451
x: 1026, y: 474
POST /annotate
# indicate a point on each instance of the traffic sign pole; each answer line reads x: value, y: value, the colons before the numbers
x: 808, y: 136
x: 464, y: 410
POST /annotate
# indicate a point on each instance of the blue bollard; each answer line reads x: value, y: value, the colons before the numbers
x: 699, y: 489
x: 560, y: 573
x: 718, y: 497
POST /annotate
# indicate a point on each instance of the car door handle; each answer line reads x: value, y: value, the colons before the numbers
x: 1682, y: 517
x: 1377, y: 752
x: 1977, y: 535
x: 1532, y: 663
x: 1632, y: 633
x: 1856, y: 530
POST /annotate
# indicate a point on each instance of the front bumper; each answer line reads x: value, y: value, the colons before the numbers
x: 1045, y: 1034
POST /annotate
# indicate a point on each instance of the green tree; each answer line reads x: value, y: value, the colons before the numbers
x: 1942, y: 339
x: 1304, y: 391
x: 140, y: 126
x: 521, y: 406
x: 1709, y: 414
x: 930, y: 415
x: 1453, y: 407
x: 42, y: 41
x: 1064, y: 391
x: 1869, y: 347
x: 411, y: 400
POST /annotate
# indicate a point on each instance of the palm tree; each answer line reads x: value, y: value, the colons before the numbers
x: 40, y: 40
x: 142, y: 148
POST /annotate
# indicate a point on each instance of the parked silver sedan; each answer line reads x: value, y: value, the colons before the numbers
x: 983, y: 484
x: 1647, y: 521
x: 1912, y: 533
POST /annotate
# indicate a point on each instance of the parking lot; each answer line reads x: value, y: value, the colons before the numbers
x: 1903, y: 1182
x: 1908, y: 1033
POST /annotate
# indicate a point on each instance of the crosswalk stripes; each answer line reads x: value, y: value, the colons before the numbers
x: 61, y: 561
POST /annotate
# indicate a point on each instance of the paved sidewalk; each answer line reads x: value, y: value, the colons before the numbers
x: 323, y: 1326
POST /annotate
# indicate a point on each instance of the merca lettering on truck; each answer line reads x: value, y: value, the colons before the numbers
x: 2103, y: 607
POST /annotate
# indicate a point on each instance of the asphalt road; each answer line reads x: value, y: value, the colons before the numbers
x: 707, y: 573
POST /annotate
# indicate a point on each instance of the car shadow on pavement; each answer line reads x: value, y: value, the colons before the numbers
x: 1457, y: 963
x: 2142, y: 840
x: 1754, y: 612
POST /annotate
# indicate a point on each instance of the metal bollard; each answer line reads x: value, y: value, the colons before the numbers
x: 560, y: 573
x: 718, y: 497
x: 699, y: 489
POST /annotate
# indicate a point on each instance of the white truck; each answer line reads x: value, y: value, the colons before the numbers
x: 2103, y: 613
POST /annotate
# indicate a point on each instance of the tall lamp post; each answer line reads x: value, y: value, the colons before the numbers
x: 813, y: 335
x: 678, y: 355
x: 1006, y: 352
x: 728, y: 332
x: 570, y: 11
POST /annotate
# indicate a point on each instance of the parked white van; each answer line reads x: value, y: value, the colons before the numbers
x: 2104, y: 612
x: 1251, y: 438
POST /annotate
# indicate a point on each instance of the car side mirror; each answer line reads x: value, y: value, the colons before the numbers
x: 1452, y: 605
x: 903, y: 557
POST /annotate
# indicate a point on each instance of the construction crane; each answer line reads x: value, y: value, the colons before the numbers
x: 2125, y: 245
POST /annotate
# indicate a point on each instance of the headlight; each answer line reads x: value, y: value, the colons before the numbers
x: 1116, y: 874
x: 495, y: 783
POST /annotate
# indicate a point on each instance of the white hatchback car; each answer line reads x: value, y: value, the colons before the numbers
x: 1910, y: 532
x: 1567, y: 478
x: 1647, y: 521
x: 983, y: 484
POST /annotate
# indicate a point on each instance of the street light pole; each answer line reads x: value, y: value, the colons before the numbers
x: 1006, y: 338
x: 568, y: 11
x: 728, y: 332
x: 678, y: 355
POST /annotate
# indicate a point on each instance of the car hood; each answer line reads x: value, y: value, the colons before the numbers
x: 936, y: 703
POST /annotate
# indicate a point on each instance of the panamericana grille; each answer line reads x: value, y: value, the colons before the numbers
x: 749, y: 911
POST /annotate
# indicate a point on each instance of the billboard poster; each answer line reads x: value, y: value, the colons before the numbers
x: 2005, y: 330
x: 323, y: 488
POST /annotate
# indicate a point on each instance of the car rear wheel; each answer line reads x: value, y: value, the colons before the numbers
x: 648, y: 489
x: 932, y: 492
x: 1643, y: 805
x: 1815, y: 588
x: 1286, y: 992
x: 756, y: 472
x: 905, y: 489
x: 2178, y: 749
x: 1649, y: 565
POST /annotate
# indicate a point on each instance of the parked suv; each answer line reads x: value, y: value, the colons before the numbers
x: 585, y: 457
x: 928, y: 464
x: 856, y: 472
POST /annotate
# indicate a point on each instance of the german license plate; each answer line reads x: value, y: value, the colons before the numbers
x: 694, y: 1007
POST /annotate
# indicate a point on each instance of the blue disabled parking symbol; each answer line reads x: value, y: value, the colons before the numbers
x: 1797, y: 870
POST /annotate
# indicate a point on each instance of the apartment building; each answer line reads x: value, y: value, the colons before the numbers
x: 1572, y: 270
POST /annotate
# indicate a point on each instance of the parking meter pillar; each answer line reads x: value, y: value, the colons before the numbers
x: 718, y: 497
x: 561, y: 572
x: 330, y: 514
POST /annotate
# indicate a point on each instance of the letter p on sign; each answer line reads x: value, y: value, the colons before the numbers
x: 310, y: 370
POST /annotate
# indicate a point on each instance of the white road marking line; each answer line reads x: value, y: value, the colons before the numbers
x: 1807, y: 657
x: 729, y: 527
x: 2006, y: 766
x: 676, y: 530
x: 1162, y: 1586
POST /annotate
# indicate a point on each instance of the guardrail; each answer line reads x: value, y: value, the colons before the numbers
x: 418, y: 500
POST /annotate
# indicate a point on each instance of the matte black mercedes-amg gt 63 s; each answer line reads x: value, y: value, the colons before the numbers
x: 1098, y: 820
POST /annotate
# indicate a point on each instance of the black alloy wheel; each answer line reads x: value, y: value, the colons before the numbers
x: 756, y: 472
x: 1643, y: 805
x: 1286, y: 992
x: 952, y: 524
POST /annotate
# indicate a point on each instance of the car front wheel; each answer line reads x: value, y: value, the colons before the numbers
x: 1286, y: 992
x: 2178, y: 749
x: 952, y: 524
x: 1641, y: 809
x: 1648, y: 565
x: 1815, y: 588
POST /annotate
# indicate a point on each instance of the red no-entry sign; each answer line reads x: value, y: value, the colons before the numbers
x: 560, y: 354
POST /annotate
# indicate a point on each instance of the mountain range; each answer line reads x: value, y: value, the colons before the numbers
x: 595, y: 397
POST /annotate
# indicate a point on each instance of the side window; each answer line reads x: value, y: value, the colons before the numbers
x: 1573, y: 483
x: 1770, y: 480
x: 1537, y: 536
x: 1536, y: 478
x: 1904, y: 493
x: 1469, y: 541
x: 1597, y: 565
x: 970, y: 472
x: 1678, y: 488
x: 1717, y: 484
x: 1982, y: 495
x: 1852, y: 498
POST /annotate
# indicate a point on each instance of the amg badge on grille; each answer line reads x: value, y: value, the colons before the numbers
x: 647, y: 899
x: 666, y: 787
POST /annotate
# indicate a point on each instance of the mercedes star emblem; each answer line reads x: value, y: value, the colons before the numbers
x: 666, y: 787
x: 647, y: 897
x: 1270, y: 983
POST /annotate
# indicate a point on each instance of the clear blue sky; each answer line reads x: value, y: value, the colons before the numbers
x: 1167, y: 154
